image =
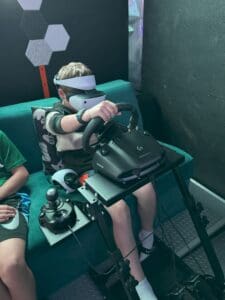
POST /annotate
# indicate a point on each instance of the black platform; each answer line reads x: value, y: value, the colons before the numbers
x: 109, y: 192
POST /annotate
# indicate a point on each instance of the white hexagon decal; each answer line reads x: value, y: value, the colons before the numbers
x: 38, y: 52
x: 30, y: 4
x: 57, y: 37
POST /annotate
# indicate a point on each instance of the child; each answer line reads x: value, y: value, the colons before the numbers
x: 16, y: 279
x: 66, y: 121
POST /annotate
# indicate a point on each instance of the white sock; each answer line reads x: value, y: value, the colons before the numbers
x: 145, y: 291
x: 146, y: 239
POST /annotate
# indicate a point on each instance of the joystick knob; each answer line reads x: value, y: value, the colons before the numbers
x: 52, y: 196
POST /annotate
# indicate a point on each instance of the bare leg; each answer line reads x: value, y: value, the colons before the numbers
x: 146, y: 199
x: 4, y: 293
x: 14, y: 271
x: 123, y: 235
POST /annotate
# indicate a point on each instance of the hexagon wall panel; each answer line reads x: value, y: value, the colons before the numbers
x: 38, y: 52
x: 30, y: 4
x: 57, y: 37
x: 33, y: 24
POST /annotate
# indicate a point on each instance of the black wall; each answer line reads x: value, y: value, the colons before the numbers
x: 184, y: 81
x: 98, y: 37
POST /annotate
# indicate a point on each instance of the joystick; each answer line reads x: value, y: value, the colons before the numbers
x: 52, y: 198
x: 57, y: 214
x: 12, y: 223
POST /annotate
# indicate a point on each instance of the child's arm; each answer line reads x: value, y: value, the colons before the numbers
x: 106, y: 110
x: 15, y: 182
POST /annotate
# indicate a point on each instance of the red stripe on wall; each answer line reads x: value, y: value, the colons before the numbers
x: 44, y: 81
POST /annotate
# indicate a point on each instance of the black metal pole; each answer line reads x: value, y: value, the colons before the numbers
x: 202, y: 233
x: 104, y: 229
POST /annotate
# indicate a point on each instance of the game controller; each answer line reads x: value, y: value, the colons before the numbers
x: 12, y: 223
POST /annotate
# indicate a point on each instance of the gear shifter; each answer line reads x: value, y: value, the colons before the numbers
x: 52, y: 197
x: 57, y: 214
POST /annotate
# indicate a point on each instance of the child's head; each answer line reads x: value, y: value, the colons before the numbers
x: 73, y: 69
x: 77, y: 87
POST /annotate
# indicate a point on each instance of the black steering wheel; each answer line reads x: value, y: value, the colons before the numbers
x: 96, y: 124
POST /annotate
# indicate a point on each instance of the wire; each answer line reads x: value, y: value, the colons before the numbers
x: 85, y: 256
x: 114, y: 266
x: 137, y: 245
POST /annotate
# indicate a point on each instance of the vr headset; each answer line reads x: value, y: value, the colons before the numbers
x: 89, y: 96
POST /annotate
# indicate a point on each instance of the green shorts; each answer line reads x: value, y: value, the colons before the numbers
x: 21, y: 230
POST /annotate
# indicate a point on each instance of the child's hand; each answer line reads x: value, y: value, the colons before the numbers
x: 105, y: 110
x: 6, y: 212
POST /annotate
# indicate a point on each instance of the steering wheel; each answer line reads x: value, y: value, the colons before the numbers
x: 97, y: 124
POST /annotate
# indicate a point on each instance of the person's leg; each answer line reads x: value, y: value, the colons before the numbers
x: 146, y: 201
x: 14, y: 272
x: 4, y: 292
x: 124, y: 238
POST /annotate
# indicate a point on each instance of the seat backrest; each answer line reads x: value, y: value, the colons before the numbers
x: 16, y: 120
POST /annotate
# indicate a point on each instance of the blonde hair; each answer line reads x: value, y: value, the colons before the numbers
x: 73, y: 69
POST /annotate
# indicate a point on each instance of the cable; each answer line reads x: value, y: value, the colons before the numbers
x: 85, y: 256
x: 137, y: 245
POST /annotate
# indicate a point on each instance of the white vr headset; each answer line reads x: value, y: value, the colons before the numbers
x: 90, y: 96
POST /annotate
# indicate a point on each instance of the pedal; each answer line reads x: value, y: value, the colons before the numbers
x: 108, y: 279
x: 199, y: 288
x: 218, y: 290
x: 179, y: 293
